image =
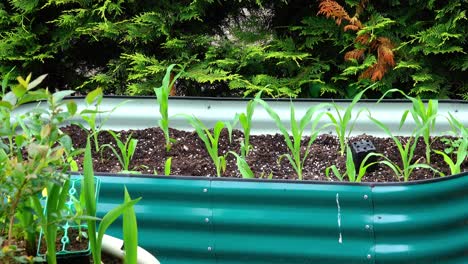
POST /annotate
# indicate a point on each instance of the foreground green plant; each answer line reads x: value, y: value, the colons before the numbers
x: 424, y: 118
x: 297, y: 130
x: 350, y: 172
x: 406, y: 151
x: 32, y: 158
x: 125, y: 209
x: 53, y: 216
x: 127, y: 149
x: 162, y: 96
x: 211, y: 140
x: 341, y: 123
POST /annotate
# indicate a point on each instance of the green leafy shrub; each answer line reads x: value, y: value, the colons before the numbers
x: 33, y: 154
x: 241, y: 47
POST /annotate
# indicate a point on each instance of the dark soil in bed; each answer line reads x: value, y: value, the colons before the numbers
x: 190, y: 158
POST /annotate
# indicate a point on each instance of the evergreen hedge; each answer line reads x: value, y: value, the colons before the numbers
x: 294, y: 48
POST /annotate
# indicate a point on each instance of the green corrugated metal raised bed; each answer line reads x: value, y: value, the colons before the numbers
x: 193, y: 220
x: 215, y: 220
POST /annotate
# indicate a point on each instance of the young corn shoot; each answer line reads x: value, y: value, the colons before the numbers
x: 167, y: 167
x: 341, y: 122
x: 297, y: 129
x: 243, y: 166
x: 162, y: 96
x: 127, y: 149
x: 424, y: 118
x: 406, y: 151
x: 462, y: 149
x: 350, y: 168
x: 245, y: 119
x: 90, y: 116
x: 211, y: 140
x: 455, y: 167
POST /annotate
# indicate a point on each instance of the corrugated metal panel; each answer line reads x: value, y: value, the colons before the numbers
x: 262, y: 222
x: 171, y: 216
x: 143, y: 112
x: 196, y: 220
x: 422, y: 223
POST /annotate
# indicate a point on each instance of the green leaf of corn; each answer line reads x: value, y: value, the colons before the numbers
x: 130, y: 232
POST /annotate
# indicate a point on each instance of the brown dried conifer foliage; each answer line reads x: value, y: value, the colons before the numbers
x: 381, y: 45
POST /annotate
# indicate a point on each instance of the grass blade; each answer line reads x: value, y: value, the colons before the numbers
x: 130, y: 232
x: 87, y: 188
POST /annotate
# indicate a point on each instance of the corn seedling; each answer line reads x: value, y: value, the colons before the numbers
x: 423, y: 117
x: 125, y: 209
x: 455, y: 167
x: 211, y: 140
x: 350, y: 168
x: 297, y: 129
x: 162, y: 96
x: 245, y: 119
x: 167, y: 166
x: 243, y: 166
x: 459, y: 146
x: 406, y: 151
x: 341, y: 122
x: 127, y: 149
x: 90, y: 116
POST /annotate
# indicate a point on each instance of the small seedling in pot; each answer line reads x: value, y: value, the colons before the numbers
x: 341, y: 122
x: 162, y: 96
x: 211, y: 140
x: 297, y: 129
x: 423, y: 117
x: 127, y: 150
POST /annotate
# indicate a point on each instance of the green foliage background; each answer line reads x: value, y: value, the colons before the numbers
x: 232, y: 47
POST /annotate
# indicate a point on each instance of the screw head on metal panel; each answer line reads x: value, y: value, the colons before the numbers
x: 205, y: 190
x: 207, y: 219
x: 209, y: 248
x: 369, y: 256
x: 365, y: 196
